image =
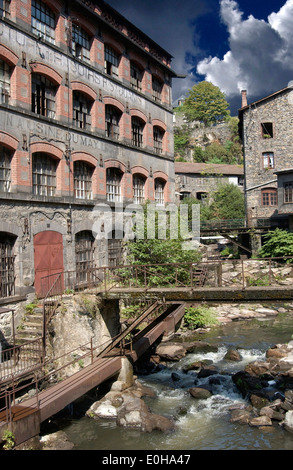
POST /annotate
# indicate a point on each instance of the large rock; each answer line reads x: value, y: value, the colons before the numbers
x: 261, y: 421
x: 288, y: 421
x: 200, y: 393
x: 233, y: 355
x: 171, y: 352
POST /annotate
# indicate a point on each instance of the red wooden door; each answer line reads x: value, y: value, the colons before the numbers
x: 48, y: 256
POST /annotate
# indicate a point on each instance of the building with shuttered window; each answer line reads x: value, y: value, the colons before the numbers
x: 86, y: 120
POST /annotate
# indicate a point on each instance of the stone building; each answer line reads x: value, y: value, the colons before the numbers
x: 86, y: 124
x: 200, y: 179
x: 266, y: 132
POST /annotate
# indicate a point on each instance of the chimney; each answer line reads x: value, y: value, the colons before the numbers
x: 244, y: 98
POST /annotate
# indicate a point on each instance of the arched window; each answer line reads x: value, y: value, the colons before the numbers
x: 138, y: 189
x: 113, y: 184
x: 7, y: 257
x: 83, y: 173
x: 159, y: 191
x: 112, y: 118
x: 269, y: 197
x: 158, y: 140
x: 5, y: 73
x: 115, y: 248
x: 43, y: 96
x: 137, y: 131
x: 84, y: 256
x: 43, y: 21
x: 111, y: 61
x: 5, y: 169
x: 135, y: 77
x: 82, y: 107
x: 44, y: 169
x: 157, y: 87
x: 81, y: 43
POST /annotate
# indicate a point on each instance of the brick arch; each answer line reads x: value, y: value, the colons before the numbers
x: 83, y: 88
x: 113, y: 102
x: 44, y: 147
x: 116, y: 46
x: 161, y: 175
x: 9, y: 141
x: 159, y: 123
x: 140, y: 170
x: 115, y: 164
x: 55, y: 5
x: 8, y: 56
x: 85, y: 157
x: 48, y: 71
x: 139, y: 114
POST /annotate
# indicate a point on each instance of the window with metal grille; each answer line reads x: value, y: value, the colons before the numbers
x: 113, y: 183
x: 158, y: 140
x: 269, y: 197
x: 113, y: 116
x: 83, y: 173
x: 156, y: 89
x: 115, y: 249
x: 4, y: 8
x: 138, y: 189
x: 7, y: 261
x: 84, y: 256
x: 159, y: 191
x: 135, y: 77
x: 81, y: 43
x: 4, y: 82
x: 81, y: 110
x: 43, y: 21
x: 111, y: 61
x: 5, y: 170
x: 288, y: 192
x: 44, y: 169
x: 137, y: 131
x: 268, y: 160
x: 43, y: 96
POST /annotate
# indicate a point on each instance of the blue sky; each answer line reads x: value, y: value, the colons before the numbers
x: 235, y: 44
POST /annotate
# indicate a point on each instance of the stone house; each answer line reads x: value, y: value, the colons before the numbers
x: 266, y: 133
x: 199, y: 180
x: 86, y: 124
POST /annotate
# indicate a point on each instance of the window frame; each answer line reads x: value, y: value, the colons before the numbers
x: 44, y: 171
x: 82, y: 177
x: 44, y: 93
x: 268, y: 160
x: 269, y: 197
x: 160, y: 185
x: 113, y: 184
x: 137, y: 128
x: 45, y: 29
x: 5, y: 169
x: 157, y: 88
x: 288, y: 192
x: 81, y: 110
x: 158, y: 136
x: 267, y: 130
x: 138, y: 186
x: 112, y: 128
x: 136, y: 75
x: 80, y: 43
x: 5, y: 77
x: 111, y: 61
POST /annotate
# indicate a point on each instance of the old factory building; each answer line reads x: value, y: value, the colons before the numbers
x: 86, y: 120
x: 266, y: 131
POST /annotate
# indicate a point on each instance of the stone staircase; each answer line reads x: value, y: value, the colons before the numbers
x: 31, y: 328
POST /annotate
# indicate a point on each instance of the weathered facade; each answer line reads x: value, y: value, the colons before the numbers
x: 199, y: 180
x: 266, y: 130
x: 85, y: 119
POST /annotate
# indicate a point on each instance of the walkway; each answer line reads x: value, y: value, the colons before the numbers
x: 29, y: 414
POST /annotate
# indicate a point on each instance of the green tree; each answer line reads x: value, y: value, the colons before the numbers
x: 181, y: 140
x: 205, y: 103
x: 277, y: 243
x: 227, y: 203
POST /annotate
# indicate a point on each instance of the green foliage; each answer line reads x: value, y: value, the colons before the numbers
x: 156, y: 252
x: 199, y: 317
x: 227, y: 203
x: 181, y: 140
x: 229, y: 153
x: 205, y: 103
x: 9, y: 439
x: 277, y: 243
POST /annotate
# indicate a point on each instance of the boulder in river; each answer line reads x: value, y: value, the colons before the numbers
x: 201, y: 393
x: 171, y: 351
x: 233, y: 355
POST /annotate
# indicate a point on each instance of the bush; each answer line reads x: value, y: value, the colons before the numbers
x: 277, y: 243
x: 199, y: 317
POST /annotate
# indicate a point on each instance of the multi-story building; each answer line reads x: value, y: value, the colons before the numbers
x: 200, y: 180
x: 266, y: 131
x: 85, y: 122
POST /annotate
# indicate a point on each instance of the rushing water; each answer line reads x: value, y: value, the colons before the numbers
x: 200, y: 424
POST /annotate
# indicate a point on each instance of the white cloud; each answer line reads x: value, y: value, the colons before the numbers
x: 260, y: 55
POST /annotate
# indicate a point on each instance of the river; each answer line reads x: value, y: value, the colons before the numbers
x: 200, y: 424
